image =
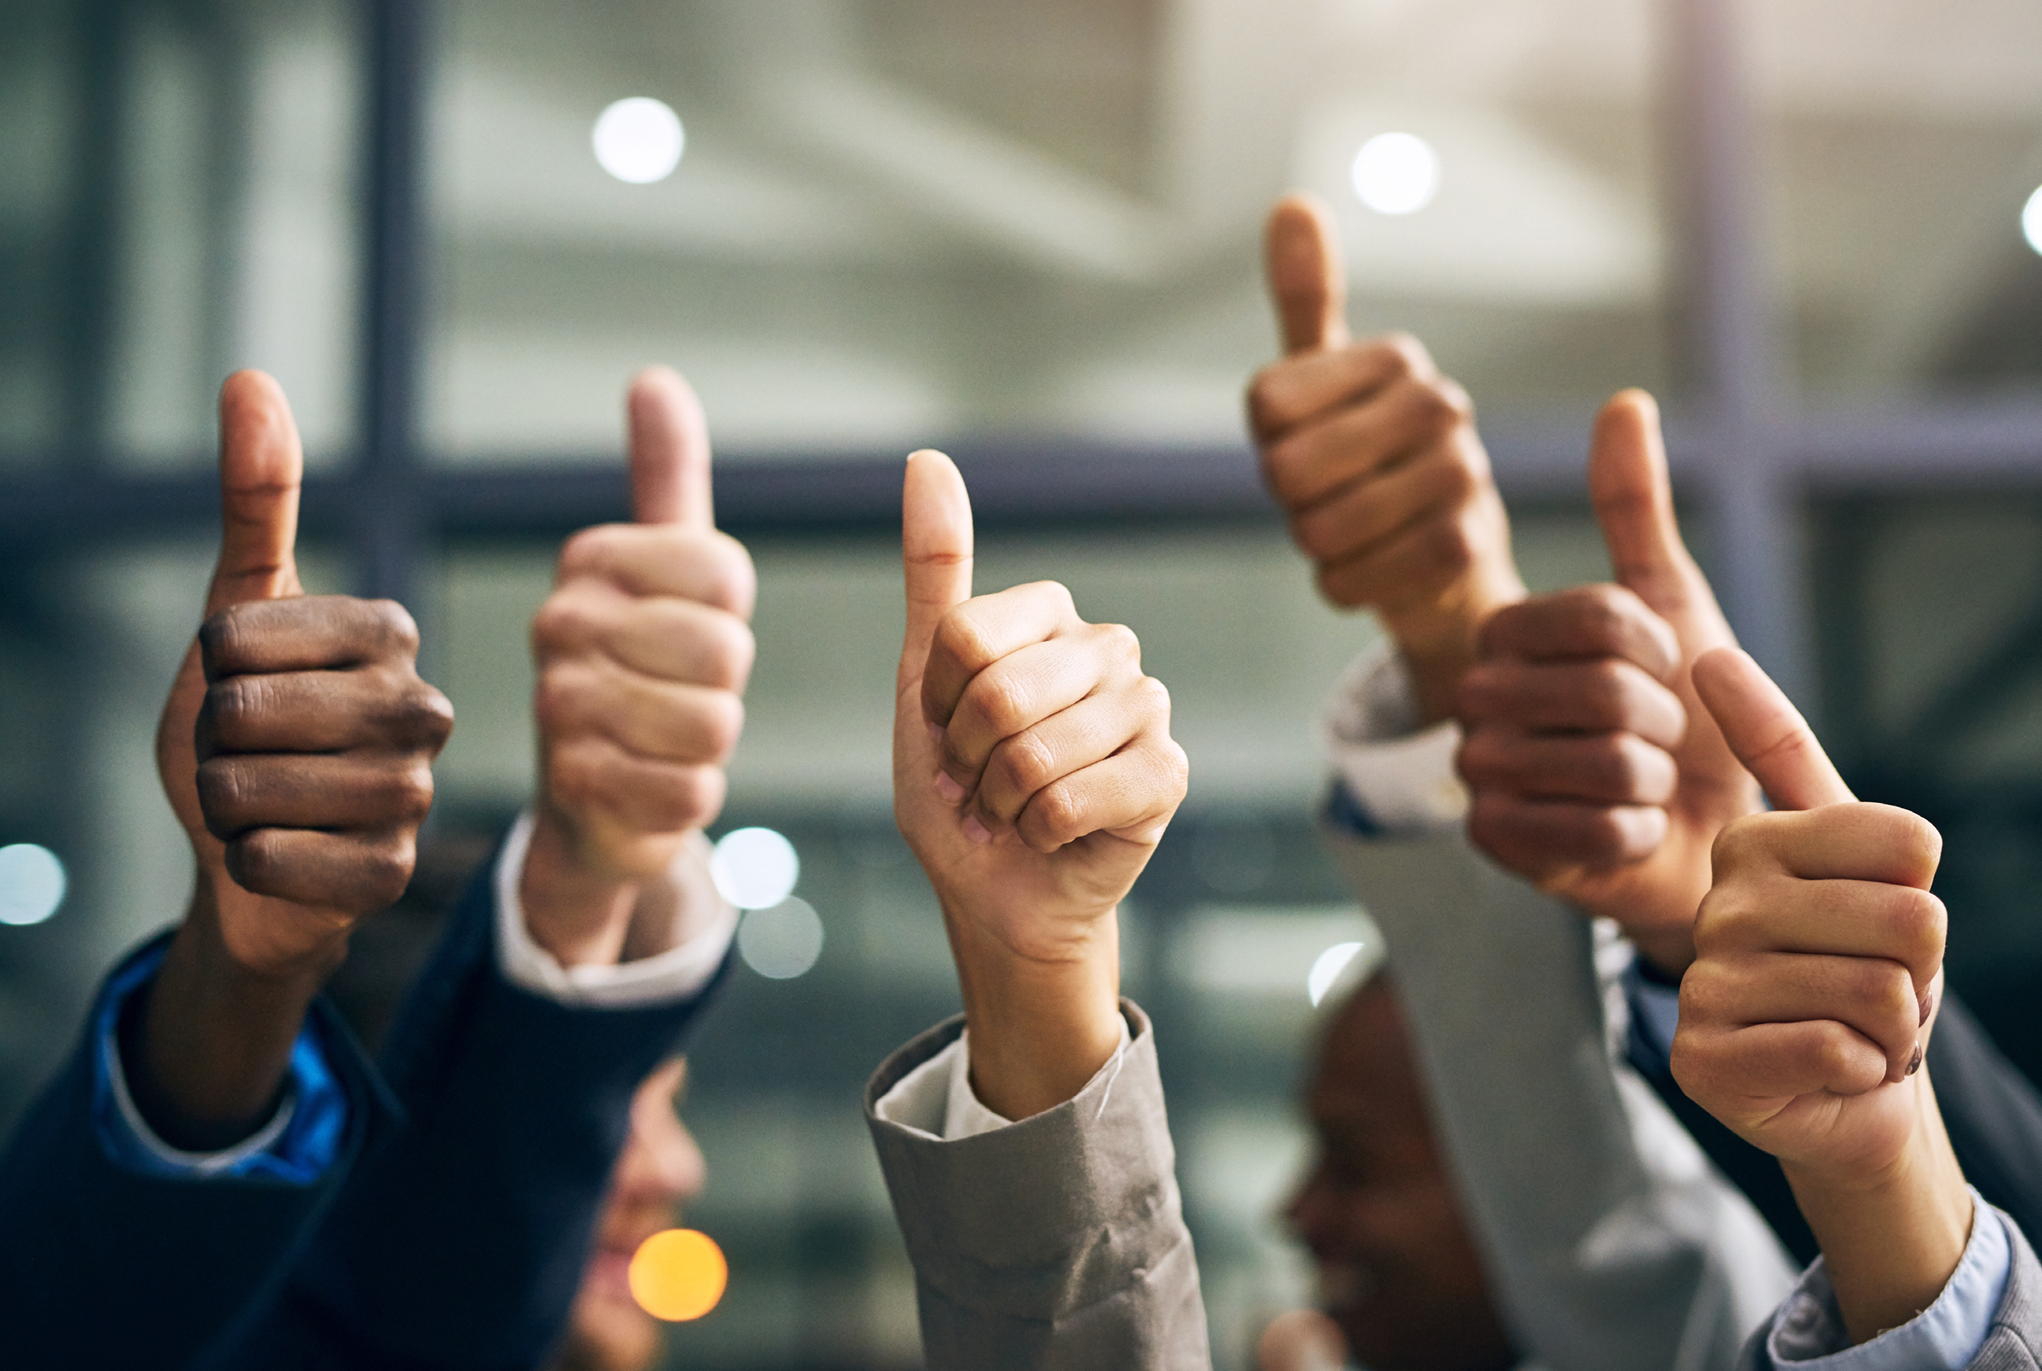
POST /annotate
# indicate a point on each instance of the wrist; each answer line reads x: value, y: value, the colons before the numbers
x: 578, y: 915
x: 1440, y: 640
x: 1041, y: 1026
x: 1891, y: 1234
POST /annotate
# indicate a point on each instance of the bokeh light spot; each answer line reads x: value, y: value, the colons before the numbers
x: 2031, y: 220
x: 781, y: 942
x: 1327, y: 967
x: 639, y: 140
x: 32, y: 884
x: 1396, y: 173
x: 678, y: 1275
x: 754, y: 868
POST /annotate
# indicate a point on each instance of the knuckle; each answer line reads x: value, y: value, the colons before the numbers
x: 1402, y: 355
x: 588, y: 551
x: 565, y: 620
x: 732, y: 582
x: 1024, y: 763
x: 223, y: 638
x: 394, y: 630
x: 234, y: 704
x: 1122, y: 646
x: 728, y: 652
x: 964, y: 637
x: 258, y: 861
x: 723, y: 724
x: 1059, y: 813
x: 1002, y: 700
x: 1266, y: 397
x: 1152, y: 700
x: 223, y: 795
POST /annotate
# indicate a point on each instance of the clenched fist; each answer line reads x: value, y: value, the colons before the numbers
x: 1803, y: 1021
x: 642, y: 651
x: 1373, y: 455
x: 1034, y: 773
x: 296, y: 750
x: 1592, y: 770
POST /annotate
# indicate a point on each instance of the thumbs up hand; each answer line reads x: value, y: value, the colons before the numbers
x: 1593, y: 770
x: 642, y: 650
x: 296, y: 750
x: 1817, y: 975
x: 1033, y: 775
x: 1373, y: 456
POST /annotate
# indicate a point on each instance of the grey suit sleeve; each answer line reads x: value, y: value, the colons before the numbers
x: 1610, y: 1241
x: 1053, y: 1244
x: 2014, y: 1341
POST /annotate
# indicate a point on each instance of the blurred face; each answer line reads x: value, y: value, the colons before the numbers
x: 1397, y: 1269
x: 660, y: 1170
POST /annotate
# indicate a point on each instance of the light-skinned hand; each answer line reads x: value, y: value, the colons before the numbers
x: 1803, y: 1021
x: 642, y: 650
x: 1034, y: 773
x: 1591, y: 768
x: 1374, y: 458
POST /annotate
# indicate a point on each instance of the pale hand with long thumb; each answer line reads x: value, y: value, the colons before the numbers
x: 296, y: 750
x: 1373, y: 455
x: 1591, y: 767
x: 642, y: 650
x: 1804, y: 1018
x: 1034, y: 774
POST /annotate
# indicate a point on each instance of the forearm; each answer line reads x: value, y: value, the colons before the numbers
x: 1039, y: 1029
x: 1890, y: 1242
x: 207, y: 1048
x: 577, y: 915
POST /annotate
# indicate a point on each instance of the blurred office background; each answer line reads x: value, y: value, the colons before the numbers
x: 1027, y: 232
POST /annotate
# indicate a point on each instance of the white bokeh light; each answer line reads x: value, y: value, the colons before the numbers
x: 32, y: 884
x: 1327, y: 968
x: 1396, y: 173
x: 639, y: 140
x: 2031, y: 220
x: 782, y: 942
x: 754, y: 868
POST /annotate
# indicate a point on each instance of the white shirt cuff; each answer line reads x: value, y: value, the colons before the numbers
x: 675, y: 974
x: 936, y: 1098
x: 1400, y: 775
x: 191, y: 1163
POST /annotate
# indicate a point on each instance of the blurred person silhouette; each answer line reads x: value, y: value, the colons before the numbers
x: 1503, y: 764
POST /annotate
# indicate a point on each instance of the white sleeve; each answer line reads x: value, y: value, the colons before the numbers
x: 936, y: 1098
x: 1401, y: 776
x: 675, y: 974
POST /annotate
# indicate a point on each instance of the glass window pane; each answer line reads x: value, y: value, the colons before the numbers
x: 894, y: 220
x: 1903, y: 143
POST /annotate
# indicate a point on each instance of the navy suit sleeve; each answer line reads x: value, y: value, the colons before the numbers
x: 101, y: 1265
x: 462, y: 1243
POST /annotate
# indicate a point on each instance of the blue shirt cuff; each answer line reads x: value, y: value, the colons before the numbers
x: 1809, y: 1334
x: 1655, y: 1014
x: 297, y: 1147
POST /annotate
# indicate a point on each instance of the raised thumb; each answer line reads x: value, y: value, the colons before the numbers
x: 1633, y: 495
x: 1765, y: 731
x: 1302, y: 257
x: 262, y: 466
x: 669, y: 451
x: 935, y: 538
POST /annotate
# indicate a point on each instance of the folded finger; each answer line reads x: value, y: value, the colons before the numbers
x: 353, y: 872
x: 982, y: 631
x: 321, y: 711
x: 1583, y: 623
x: 1775, y: 1062
x: 1090, y: 730
x: 1551, y: 836
x: 289, y: 790
x: 1874, y: 996
x: 659, y: 720
x: 665, y: 559
x: 1599, y: 697
x: 1128, y: 797
x: 593, y: 776
x: 304, y: 633
x: 1315, y: 460
x: 1353, y: 520
x: 1025, y: 688
x: 1590, y: 768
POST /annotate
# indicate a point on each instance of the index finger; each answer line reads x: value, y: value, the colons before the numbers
x: 980, y: 632
x: 1583, y: 623
x: 306, y: 633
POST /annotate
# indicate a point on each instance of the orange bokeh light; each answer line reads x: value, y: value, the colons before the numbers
x: 678, y: 1275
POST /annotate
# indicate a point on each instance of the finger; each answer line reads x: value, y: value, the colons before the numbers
x: 1858, y: 841
x: 1601, y: 696
x: 1308, y: 385
x: 935, y: 527
x: 1589, y: 768
x: 669, y: 452
x: 321, y: 711
x: 1129, y: 796
x: 1028, y: 685
x: 663, y: 636
x: 262, y: 466
x: 1765, y: 731
x: 1633, y: 496
x: 1874, y: 996
x: 1581, y: 623
x: 292, y: 790
x: 1411, y: 566
x: 1317, y: 461
x: 1068, y: 741
x: 661, y: 720
x: 1837, y: 918
x: 1355, y: 520
x: 306, y: 633
x: 344, y: 871
x: 665, y: 559
x: 1305, y: 278
x: 1773, y: 1062
x: 980, y: 632
x: 1552, y: 836
x: 593, y: 775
